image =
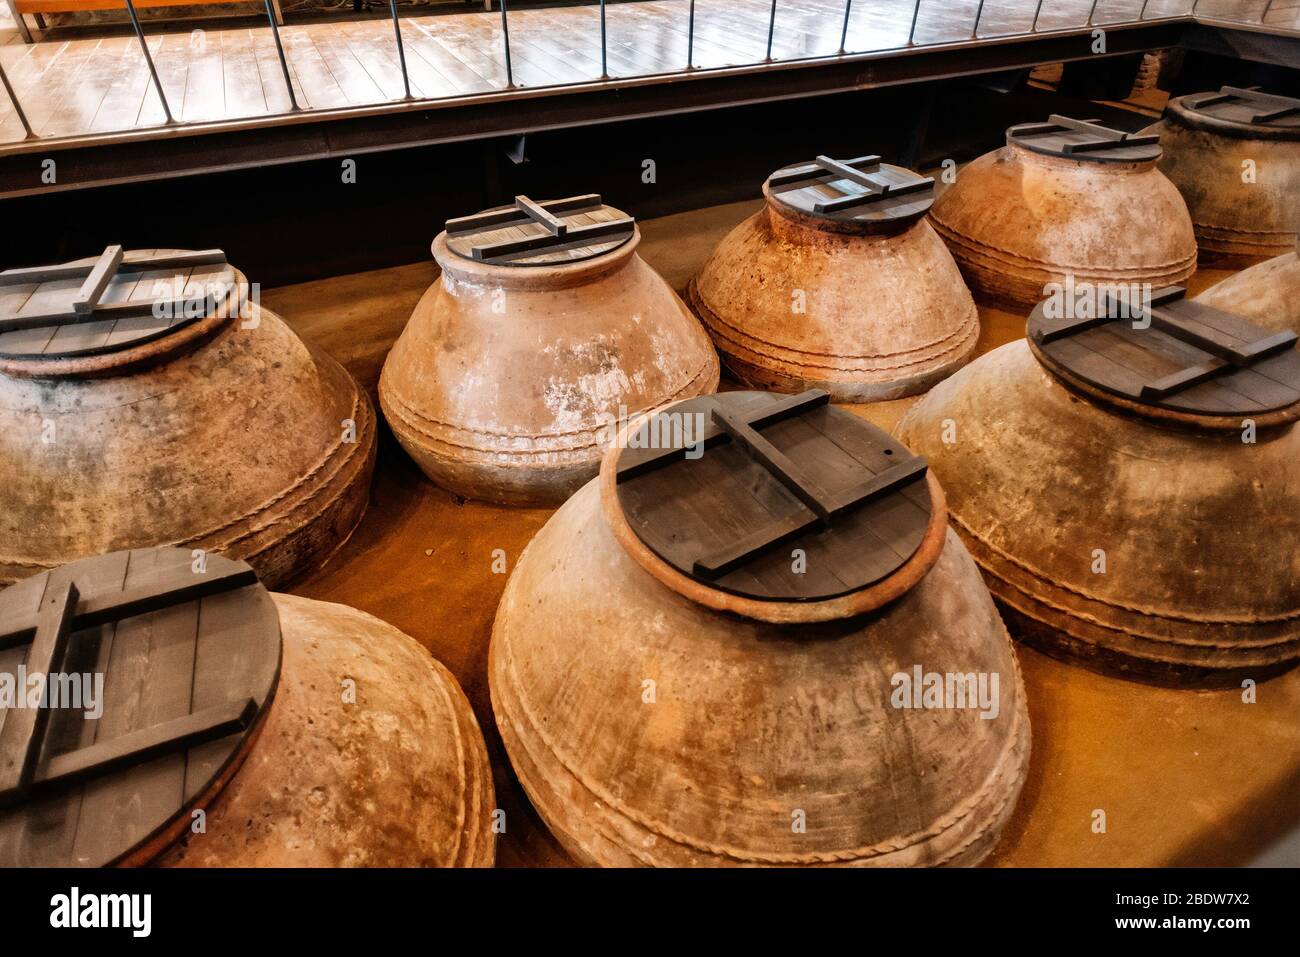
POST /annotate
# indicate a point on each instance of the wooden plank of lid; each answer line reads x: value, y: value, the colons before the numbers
x: 551, y: 233
x: 860, y: 191
x: 1250, y: 105
x: 119, y: 300
x: 91, y: 789
x: 776, y: 498
x: 1085, y: 140
x: 1167, y: 352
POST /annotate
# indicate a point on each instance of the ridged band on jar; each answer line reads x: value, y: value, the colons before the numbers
x: 516, y: 468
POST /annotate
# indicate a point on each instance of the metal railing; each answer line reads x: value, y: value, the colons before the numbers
x: 296, y: 107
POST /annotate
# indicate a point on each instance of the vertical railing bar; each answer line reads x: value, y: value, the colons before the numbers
x: 1092, y: 12
x: 505, y: 35
x: 1267, y: 7
x: 690, y: 38
x: 771, y: 28
x: 979, y: 15
x: 1037, y: 10
x: 18, y: 107
x: 148, y: 58
x: 844, y: 33
x: 284, y: 64
x: 401, y: 48
x: 1142, y: 14
x: 604, y: 60
x: 916, y: 12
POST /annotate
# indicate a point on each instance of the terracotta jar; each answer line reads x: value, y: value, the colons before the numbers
x: 690, y: 667
x: 234, y: 728
x: 1130, y: 489
x: 839, y: 283
x: 544, y: 332
x: 1268, y: 294
x: 168, y: 408
x: 1235, y: 157
x: 1065, y: 200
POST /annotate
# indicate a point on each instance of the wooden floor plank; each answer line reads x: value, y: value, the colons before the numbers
x: 345, y: 52
x: 43, y: 99
x: 124, y: 100
x: 244, y: 93
x: 571, y: 39
x: 271, y: 73
x: 319, y: 89
x: 205, y: 84
x: 427, y: 47
x: 490, y: 68
x: 374, y: 46
x: 170, y: 52
x: 483, y: 39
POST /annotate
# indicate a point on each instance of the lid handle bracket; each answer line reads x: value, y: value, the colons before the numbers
x: 24, y: 728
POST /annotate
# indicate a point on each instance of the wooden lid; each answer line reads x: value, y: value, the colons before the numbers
x: 1171, y: 355
x: 541, y: 234
x: 773, y: 498
x: 115, y: 302
x: 1246, y: 112
x: 1085, y: 140
x: 189, y: 656
x: 860, y: 192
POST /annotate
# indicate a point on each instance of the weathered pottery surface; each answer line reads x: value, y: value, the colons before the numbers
x: 1016, y: 220
x: 1044, y: 485
x: 1268, y: 294
x: 232, y: 435
x: 507, y: 378
x: 796, y: 301
x: 400, y: 778
x: 1237, y: 222
x: 650, y: 729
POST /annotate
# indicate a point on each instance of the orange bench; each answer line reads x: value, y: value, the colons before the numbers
x: 37, y: 7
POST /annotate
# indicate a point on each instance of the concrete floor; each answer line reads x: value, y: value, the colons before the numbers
x: 1184, y: 777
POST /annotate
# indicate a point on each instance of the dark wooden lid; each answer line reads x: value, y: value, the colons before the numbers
x: 1249, y: 112
x: 859, y: 192
x: 725, y: 488
x: 1085, y: 140
x: 1172, y: 354
x: 120, y: 300
x: 552, y: 233
x: 190, y: 660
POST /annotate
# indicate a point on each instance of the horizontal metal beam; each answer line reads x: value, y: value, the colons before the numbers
x: 1243, y: 42
x: 182, y: 150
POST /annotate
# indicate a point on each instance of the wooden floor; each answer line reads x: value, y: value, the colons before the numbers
x: 93, y: 85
